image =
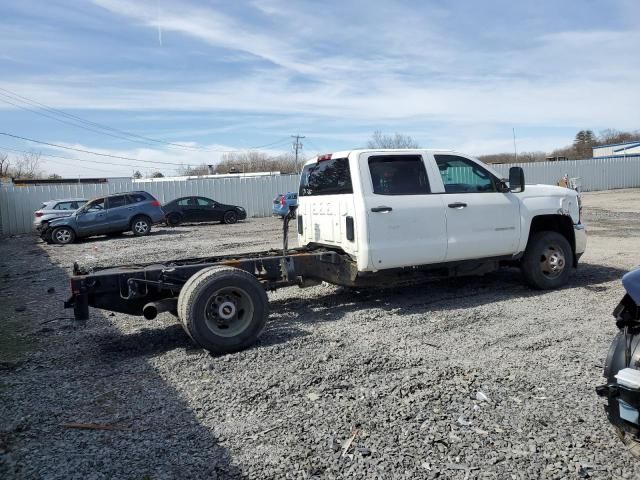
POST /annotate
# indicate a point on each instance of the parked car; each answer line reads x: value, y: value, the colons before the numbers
x: 55, y: 209
x: 111, y: 215
x: 283, y: 201
x: 201, y: 209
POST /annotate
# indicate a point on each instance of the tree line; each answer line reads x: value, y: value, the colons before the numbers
x: 28, y: 164
x: 580, y: 149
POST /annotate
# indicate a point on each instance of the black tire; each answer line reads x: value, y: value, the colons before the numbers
x: 174, y: 219
x: 548, y: 261
x: 237, y: 305
x: 230, y: 217
x: 63, y: 235
x: 141, y: 226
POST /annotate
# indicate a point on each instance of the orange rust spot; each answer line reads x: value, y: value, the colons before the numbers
x: 232, y: 263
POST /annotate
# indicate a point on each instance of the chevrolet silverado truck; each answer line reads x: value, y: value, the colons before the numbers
x: 365, y: 219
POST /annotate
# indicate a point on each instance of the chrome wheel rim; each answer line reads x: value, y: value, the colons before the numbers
x: 141, y: 226
x: 552, y: 261
x: 63, y: 236
x: 229, y: 311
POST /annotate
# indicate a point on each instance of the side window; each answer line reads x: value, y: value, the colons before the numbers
x: 95, y: 205
x: 326, y: 177
x: 63, y: 206
x: 119, y: 201
x: 205, y: 202
x: 136, y: 198
x: 461, y: 175
x: 185, y: 202
x: 398, y: 175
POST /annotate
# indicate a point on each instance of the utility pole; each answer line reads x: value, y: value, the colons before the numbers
x: 515, y: 149
x: 297, y: 146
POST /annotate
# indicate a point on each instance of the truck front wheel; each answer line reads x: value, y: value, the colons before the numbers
x: 223, y: 309
x: 547, y: 261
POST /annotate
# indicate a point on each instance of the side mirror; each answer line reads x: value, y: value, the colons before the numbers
x: 516, y: 179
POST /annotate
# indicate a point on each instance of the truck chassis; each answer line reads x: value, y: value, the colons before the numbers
x: 221, y: 300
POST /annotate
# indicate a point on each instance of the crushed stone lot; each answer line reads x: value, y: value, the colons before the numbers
x: 468, y: 378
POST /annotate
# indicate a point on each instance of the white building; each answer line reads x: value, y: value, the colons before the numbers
x: 617, y: 149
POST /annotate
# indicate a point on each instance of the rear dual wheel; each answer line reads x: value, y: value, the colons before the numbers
x: 223, y: 309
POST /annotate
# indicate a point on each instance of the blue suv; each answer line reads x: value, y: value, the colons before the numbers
x: 110, y: 215
x: 282, y: 203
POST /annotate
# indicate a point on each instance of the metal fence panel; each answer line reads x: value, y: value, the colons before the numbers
x: 604, y: 173
x: 256, y: 194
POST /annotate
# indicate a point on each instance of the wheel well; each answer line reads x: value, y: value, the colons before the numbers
x: 555, y: 223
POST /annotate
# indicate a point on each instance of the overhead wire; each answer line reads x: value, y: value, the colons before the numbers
x: 121, y: 134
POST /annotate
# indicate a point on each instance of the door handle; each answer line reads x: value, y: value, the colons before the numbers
x: 99, y: 214
x: 382, y: 209
x: 458, y: 205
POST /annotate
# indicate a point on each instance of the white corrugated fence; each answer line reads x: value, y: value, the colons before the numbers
x: 256, y: 194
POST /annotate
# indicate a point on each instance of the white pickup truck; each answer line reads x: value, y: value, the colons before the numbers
x: 390, y: 209
x: 366, y: 218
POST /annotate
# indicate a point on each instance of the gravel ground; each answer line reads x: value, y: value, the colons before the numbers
x: 470, y: 378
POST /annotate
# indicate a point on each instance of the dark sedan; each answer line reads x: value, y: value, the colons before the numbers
x: 201, y: 209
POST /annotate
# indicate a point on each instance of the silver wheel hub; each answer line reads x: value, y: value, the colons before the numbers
x: 141, y: 226
x: 552, y: 261
x: 63, y: 236
x: 226, y: 310
x: 229, y: 311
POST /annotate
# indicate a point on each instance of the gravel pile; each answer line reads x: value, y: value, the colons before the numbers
x: 470, y: 378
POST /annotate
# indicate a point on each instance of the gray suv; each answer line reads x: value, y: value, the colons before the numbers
x: 111, y: 215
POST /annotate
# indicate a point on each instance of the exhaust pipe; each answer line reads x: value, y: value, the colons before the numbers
x: 152, y: 309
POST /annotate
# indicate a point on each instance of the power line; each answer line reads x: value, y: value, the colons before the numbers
x: 85, y: 151
x: 93, y: 126
x: 85, y: 160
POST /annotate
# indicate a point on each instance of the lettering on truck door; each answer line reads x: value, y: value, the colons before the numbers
x: 406, y: 222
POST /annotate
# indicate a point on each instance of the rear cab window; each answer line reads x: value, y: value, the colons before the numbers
x: 326, y: 177
x: 398, y: 175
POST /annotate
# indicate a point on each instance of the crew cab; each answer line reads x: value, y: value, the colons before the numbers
x: 390, y: 209
x: 365, y: 219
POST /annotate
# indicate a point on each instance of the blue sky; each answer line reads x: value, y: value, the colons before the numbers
x: 222, y: 75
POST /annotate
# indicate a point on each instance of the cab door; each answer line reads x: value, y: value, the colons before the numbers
x: 483, y: 220
x: 406, y: 222
x: 118, y: 213
x: 92, y: 219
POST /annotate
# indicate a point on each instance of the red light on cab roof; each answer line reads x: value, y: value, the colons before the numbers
x: 326, y: 156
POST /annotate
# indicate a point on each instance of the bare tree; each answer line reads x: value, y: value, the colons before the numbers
x: 157, y: 175
x: 4, y: 165
x: 380, y: 140
x: 137, y: 174
x: 253, y: 161
x: 202, y: 169
x: 28, y: 166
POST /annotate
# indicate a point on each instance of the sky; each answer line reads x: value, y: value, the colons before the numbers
x: 180, y: 82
